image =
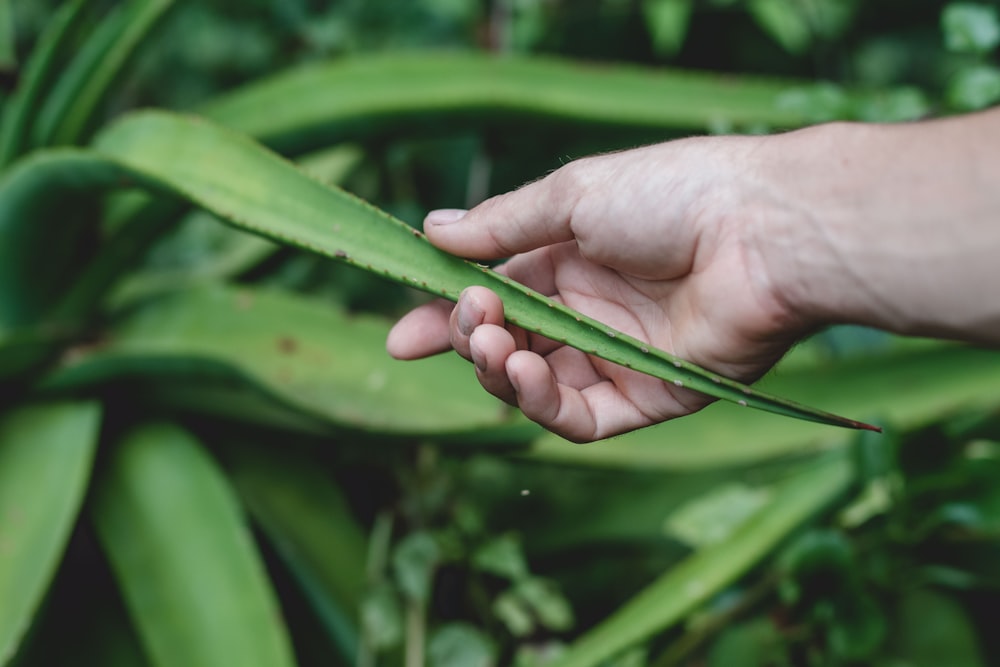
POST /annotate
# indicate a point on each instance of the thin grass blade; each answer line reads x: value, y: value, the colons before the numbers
x: 74, y: 102
x: 39, y: 72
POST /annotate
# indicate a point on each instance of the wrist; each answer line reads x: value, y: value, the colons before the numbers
x: 891, y: 226
x: 796, y: 229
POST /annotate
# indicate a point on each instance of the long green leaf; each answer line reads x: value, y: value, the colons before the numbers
x: 45, y: 459
x: 355, y: 97
x: 307, y: 519
x: 300, y: 352
x: 906, y: 389
x: 253, y: 189
x: 190, y: 574
x: 257, y: 191
x: 693, y: 581
x: 31, y: 216
x: 233, y: 252
x: 40, y: 70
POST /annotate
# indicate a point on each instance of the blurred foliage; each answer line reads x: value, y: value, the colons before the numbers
x: 465, y: 550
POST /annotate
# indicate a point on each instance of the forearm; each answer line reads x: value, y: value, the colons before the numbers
x: 893, y: 226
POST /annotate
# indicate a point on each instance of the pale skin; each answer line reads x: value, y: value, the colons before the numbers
x: 725, y: 251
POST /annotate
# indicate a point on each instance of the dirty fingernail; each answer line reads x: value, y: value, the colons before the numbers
x: 470, y: 316
x: 478, y: 358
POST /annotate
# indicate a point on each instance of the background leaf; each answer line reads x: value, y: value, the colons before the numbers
x: 970, y: 28
x: 45, y: 457
x: 187, y: 566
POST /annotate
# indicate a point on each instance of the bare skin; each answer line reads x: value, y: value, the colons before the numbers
x: 725, y: 251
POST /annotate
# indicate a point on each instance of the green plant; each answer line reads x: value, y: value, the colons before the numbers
x: 203, y: 443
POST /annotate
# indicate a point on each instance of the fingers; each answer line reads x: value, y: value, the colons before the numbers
x: 534, y: 216
x: 476, y: 306
x: 592, y: 413
x: 557, y: 386
x: 422, y: 332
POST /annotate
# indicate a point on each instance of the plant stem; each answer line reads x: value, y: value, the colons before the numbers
x: 416, y: 633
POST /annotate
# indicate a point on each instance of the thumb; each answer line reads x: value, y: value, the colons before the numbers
x: 533, y: 216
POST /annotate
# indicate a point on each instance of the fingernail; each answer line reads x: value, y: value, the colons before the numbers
x: 444, y: 216
x: 514, y: 382
x: 478, y: 358
x: 470, y: 316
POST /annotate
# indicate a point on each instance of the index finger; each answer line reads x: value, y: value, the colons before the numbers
x: 534, y: 216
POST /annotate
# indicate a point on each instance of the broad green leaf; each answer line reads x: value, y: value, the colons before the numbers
x: 906, y: 389
x: 302, y: 353
x: 694, y: 580
x: 970, y: 27
x: 712, y: 517
x: 753, y: 643
x: 933, y: 629
x: 307, y: 520
x: 460, y: 645
x: 513, y: 612
x: 40, y: 69
x: 190, y: 574
x: 819, y: 102
x: 784, y: 21
x: 501, y: 556
x: 382, y: 617
x: 974, y: 88
x: 546, y: 602
x: 45, y: 459
x: 356, y: 97
x: 893, y: 106
x: 667, y: 22
x: 73, y: 103
x: 414, y: 563
x: 272, y: 198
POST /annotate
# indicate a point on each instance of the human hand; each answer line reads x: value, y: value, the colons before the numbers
x: 661, y: 243
x: 723, y: 251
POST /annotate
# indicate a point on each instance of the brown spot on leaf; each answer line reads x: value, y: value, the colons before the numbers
x: 287, y: 345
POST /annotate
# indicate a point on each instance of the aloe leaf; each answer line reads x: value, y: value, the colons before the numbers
x: 30, y: 217
x: 190, y: 574
x: 705, y: 573
x: 234, y: 252
x: 310, y: 525
x: 270, y: 197
x: 906, y: 389
x: 46, y: 452
x: 300, y: 352
x: 74, y: 101
x: 257, y: 191
x: 355, y: 97
x: 40, y: 69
